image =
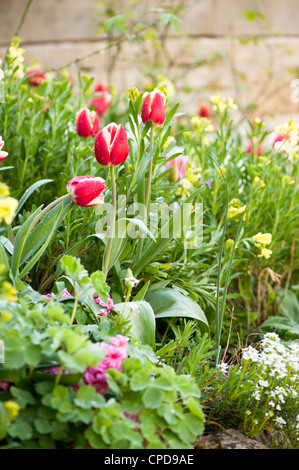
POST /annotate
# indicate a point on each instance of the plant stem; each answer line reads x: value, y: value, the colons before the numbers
x: 46, y: 209
x: 112, y: 231
x: 75, y: 305
x: 147, y: 191
x: 150, y: 174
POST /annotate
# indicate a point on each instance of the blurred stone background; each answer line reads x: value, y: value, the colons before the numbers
x: 247, y: 49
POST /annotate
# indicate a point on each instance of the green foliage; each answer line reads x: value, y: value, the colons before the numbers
x: 147, y: 406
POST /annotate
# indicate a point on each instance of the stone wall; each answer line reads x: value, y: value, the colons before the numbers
x: 219, y: 50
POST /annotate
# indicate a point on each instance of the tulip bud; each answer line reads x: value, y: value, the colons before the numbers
x: 102, y: 101
x: 36, y: 77
x: 204, y: 110
x: 179, y: 165
x: 111, y: 145
x: 101, y: 86
x: 2, y: 153
x: 153, y: 108
x: 87, y: 123
x: 259, y: 150
x: 86, y: 191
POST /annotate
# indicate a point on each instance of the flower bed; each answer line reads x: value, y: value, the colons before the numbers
x: 145, y: 258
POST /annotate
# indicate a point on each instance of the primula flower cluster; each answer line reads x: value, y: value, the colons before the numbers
x: 116, y: 353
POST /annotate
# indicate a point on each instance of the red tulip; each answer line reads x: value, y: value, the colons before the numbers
x: 204, y: 110
x: 178, y: 165
x: 86, y: 191
x: 259, y: 150
x: 280, y: 138
x: 111, y: 145
x: 101, y: 86
x: 102, y: 101
x: 36, y: 77
x: 153, y: 108
x: 87, y: 123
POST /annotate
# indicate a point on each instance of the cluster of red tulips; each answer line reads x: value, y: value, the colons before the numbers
x: 111, y: 147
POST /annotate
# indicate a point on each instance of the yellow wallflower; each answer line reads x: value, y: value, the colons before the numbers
x: 8, y: 207
x: 4, y: 190
x: 202, y: 124
x: 6, y: 316
x: 193, y: 174
x: 166, y: 86
x: 262, y: 239
x: 219, y: 170
x: 12, y: 409
x: 261, y: 183
x: 263, y: 161
x: 234, y: 211
x: 287, y: 180
x: 8, y: 292
x: 222, y: 104
x: 265, y: 253
x: 229, y: 244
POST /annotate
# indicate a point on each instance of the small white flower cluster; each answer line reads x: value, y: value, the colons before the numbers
x: 277, y: 383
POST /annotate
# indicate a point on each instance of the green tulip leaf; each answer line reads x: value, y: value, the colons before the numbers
x: 168, y: 303
x: 141, y: 318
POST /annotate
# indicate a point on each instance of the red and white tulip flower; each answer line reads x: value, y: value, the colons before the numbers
x: 111, y: 145
x: 87, y: 123
x: 178, y: 165
x: 36, y: 77
x: 153, y: 108
x: 102, y: 100
x: 86, y: 191
x: 2, y: 153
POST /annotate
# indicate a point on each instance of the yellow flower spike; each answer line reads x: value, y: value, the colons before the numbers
x: 202, y: 124
x: 265, y: 253
x: 8, y: 207
x: 12, y: 409
x: 234, y: 211
x: 287, y: 180
x: 166, y: 86
x: 229, y: 243
x: 261, y: 183
x: 6, y: 316
x: 219, y: 171
x: 4, y: 190
x: 8, y: 292
x: 222, y: 104
x: 262, y: 239
x: 168, y: 142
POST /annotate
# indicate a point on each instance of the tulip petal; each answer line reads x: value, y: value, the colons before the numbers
x: 86, y: 191
x: 158, y: 109
x: 146, y: 109
x: 120, y: 148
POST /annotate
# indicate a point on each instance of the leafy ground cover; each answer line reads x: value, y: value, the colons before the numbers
x: 149, y: 268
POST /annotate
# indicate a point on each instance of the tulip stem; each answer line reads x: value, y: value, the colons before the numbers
x: 148, y: 190
x: 150, y: 174
x: 46, y: 209
x: 112, y: 231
